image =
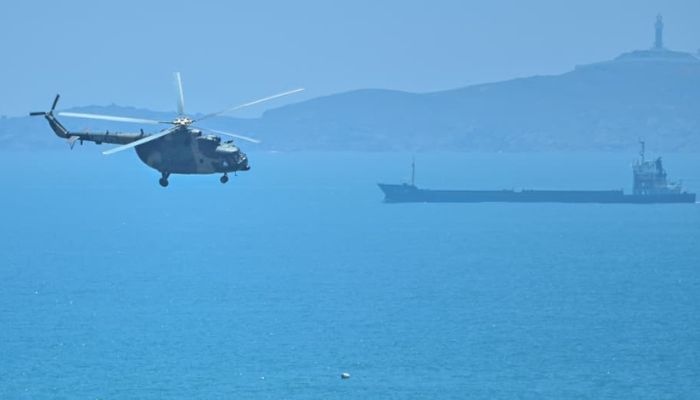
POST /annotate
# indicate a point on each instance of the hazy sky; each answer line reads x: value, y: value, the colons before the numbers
x: 231, y: 51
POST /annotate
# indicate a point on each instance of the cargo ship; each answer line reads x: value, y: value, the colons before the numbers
x: 650, y: 185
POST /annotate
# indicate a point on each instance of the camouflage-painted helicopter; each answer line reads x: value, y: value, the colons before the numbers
x: 181, y: 149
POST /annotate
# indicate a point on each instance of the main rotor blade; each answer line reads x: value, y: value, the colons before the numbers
x: 181, y: 95
x: 141, y: 141
x: 113, y: 118
x: 250, y: 103
x: 233, y: 135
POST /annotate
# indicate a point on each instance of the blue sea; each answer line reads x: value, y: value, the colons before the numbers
x: 271, y: 286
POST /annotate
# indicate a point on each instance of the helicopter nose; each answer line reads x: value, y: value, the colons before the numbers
x: 243, y: 163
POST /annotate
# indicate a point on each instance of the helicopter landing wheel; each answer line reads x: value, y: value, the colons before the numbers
x: 164, y: 180
x: 224, y: 178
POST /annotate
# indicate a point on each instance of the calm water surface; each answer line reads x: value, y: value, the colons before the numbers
x: 269, y: 287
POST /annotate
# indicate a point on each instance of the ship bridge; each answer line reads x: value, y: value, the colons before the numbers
x: 650, y: 176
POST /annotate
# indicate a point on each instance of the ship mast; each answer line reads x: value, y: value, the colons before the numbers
x: 413, y: 171
x: 641, y: 151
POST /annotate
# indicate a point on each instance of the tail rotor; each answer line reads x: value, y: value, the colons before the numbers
x: 50, y: 112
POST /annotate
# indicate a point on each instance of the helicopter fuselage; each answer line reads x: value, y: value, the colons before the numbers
x: 188, y: 151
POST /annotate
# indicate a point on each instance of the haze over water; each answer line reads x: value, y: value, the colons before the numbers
x: 272, y: 285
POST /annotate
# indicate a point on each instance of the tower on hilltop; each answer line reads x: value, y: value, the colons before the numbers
x: 659, y: 37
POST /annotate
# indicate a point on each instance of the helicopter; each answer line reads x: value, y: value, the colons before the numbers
x: 179, y: 149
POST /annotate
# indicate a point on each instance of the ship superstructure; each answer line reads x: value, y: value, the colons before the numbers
x: 649, y: 177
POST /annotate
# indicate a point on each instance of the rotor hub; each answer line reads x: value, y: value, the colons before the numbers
x: 182, y: 121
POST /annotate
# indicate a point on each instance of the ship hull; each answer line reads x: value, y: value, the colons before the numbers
x: 411, y: 194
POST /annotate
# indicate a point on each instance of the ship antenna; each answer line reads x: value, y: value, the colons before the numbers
x: 641, y: 152
x: 413, y: 171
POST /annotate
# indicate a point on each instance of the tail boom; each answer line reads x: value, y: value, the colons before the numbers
x: 99, y: 138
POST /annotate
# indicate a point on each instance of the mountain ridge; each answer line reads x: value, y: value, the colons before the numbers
x: 605, y: 106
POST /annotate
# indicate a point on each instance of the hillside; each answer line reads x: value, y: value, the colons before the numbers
x: 652, y: 94
x: 605, y: 106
